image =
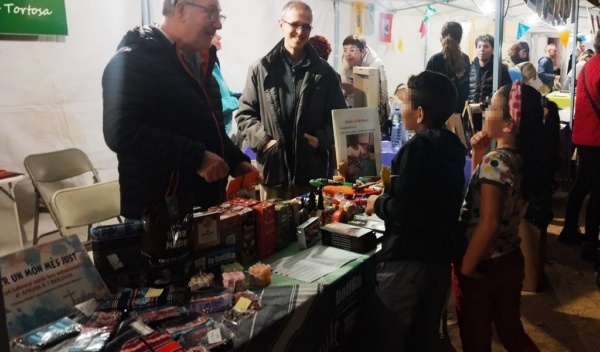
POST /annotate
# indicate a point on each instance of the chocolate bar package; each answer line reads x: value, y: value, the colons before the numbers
x: 229, y: 228
x: 293, y: 215
x: 308, y: 233
x: 348, y: 237
x: 249, y: 203
x: 247, y: 239
x: 206, y: 230
x: 210, y: 260
x: 266, y: 229
x: 282, y: 223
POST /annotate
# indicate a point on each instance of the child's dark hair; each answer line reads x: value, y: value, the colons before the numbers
x: 435, y: 94
x: 538, y: 140
x: 485, y: 38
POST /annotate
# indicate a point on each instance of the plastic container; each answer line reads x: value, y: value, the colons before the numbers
x: 396, y: 137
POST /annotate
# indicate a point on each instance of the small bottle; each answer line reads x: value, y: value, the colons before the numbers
x: 396, y: 137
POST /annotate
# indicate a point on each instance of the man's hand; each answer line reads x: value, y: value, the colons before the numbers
x: 244, y: 168
x: 213, y: 167
x: 480, y: 142
x: 370, y: 209
x: 348, y: 88
x: 313, y: 141
x: 271, y: 143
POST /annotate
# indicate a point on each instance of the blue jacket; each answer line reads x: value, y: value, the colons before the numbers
x: 229, y: 101
x: 546, y: 71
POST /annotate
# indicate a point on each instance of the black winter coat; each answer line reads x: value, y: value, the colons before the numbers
x: 437, y: 63
x: 159, y: 118
x: 260, y: 118
x: 481, y: 80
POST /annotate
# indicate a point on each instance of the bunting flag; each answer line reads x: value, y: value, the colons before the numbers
x: 370, y: 20
x: 429, y: 13
x: 358, y: 17
x: 400, y: 44
x: 423, y: 30
x: 385, y: 27
x: 564, y: 37
x: 522, y: 30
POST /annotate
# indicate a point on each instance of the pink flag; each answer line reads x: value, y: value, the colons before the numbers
x: 423, y: 30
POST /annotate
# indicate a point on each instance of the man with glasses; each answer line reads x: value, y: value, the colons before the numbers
x: 163, y: 114
x: 285, y: 109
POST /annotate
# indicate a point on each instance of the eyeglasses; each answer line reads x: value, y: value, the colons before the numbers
x: 213, y: 13
x: 350, y: 51
x: 305, y: 27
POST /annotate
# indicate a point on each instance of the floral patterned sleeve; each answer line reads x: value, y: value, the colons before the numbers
x: 494, y: 170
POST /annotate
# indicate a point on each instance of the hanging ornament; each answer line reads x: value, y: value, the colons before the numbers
x: 564, y: 38
x: 429, y: 12
x: 522, y: 30
x: 423, y: 29
x: 400, y: 45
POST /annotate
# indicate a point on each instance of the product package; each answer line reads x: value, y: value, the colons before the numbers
x: 227, y: 268
x: 282, y: 221
x: 210, y: 302
x: 308, y: 233
x: 184, y: 324
x: 49, y: 334
x: 158, y: 314
x: 236, y: 280
x: 249, y: 203
x: 93, y: 340
x: 348, y: 237
x: 260, y: 275
x: 266, y: 229
x: 247, y: 243
x: 156, y: 341
x: 109, y: 320
x: 293, y: 217
x: 243, y: 186
x: 206, y: 230
x: 143, y: 298
x: 229, y: 228
x: 201, y: 280
x: 215, y: 338
x: 211, y: 260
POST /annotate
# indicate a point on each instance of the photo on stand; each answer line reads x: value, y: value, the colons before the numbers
x: 361, y: 155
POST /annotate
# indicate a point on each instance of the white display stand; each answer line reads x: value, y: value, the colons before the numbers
x: 366, y: 87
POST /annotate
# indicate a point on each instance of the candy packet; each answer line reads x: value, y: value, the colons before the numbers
x: 49, y: 334
x: 91, y: 340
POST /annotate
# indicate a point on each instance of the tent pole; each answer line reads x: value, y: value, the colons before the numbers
x: 498, y: 37
x: 146, y: 12
x: 575, y: 13
x: 336, y: 35
x: 426, y: 44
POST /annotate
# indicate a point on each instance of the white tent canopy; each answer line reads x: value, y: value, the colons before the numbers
x: 51, y: 95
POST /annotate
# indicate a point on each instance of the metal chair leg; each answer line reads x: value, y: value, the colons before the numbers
x: 36, y: 219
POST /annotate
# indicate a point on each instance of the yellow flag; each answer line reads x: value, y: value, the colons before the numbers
x: 399, y: 44
x: 358, y: 17
x: 564, y: 37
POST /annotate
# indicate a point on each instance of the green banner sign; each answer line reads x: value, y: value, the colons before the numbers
x: 33, y: 17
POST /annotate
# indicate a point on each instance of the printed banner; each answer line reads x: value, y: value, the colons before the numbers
x: 42, y: 284
x: 358, y: 17
x: 522, y: 30
x: 370, y: 20
x: 385, y: 27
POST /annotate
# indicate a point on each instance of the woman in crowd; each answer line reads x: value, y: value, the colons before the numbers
x: 228, y: 98
x: 530, y: 77
x: 586, y: 135
x: 358, y: 53
x: 488, y: 281
x: 517, y: 54
x: 452, y: 62
x: 582, y: 59
x: 481, y: 78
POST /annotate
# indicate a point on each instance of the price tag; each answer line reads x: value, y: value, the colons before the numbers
x: 88, y: 308
x: 243, y: 304
x: 115, y: 261
x: 214, y: 336
x: 154, y: 292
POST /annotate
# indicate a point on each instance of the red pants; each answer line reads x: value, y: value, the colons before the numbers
x: 495, y: 298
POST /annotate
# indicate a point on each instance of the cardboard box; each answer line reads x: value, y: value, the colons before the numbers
x: 308, y: 232
x: 205, y: 230
x: 293, y: 215
x: 348, y: 237
x: 210, y: 260
x: 229, y: 228
x: 246, y: 242
x: 283, y: 226
x: 244, y: 202
x: 266, y: 229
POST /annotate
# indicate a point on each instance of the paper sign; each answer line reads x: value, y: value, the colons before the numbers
x: 88, y: 308
x: 115, y: 262
x: 154, y: 292
x: 243, y: 304
x: 47, y: 281
x: 141, y: 328
x: 214, y: 336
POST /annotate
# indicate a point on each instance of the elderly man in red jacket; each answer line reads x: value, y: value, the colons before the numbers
x: 586, y: 135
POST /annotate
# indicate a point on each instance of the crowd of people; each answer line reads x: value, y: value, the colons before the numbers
x: 167, y: 111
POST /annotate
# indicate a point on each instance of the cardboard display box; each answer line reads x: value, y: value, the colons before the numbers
x: 247, y: 240
x: 205, y: 230
x: 210, y: 260
x: 282, y: 223
x: 348, y: 237
x: 266, y: 230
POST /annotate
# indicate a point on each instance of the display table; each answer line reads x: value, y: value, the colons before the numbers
x: 563, y: 100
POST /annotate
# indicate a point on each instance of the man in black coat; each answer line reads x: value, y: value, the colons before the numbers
x: 163, y: 114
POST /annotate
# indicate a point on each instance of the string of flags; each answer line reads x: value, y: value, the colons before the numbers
x: 429, y: 12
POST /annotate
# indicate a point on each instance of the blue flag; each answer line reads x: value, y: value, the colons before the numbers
x: 522, y: 30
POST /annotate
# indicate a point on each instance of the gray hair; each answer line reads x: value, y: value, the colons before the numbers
x: 168, y: 7
x: 294, y: 5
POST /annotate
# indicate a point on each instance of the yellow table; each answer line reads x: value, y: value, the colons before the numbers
x: 563, y: 100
